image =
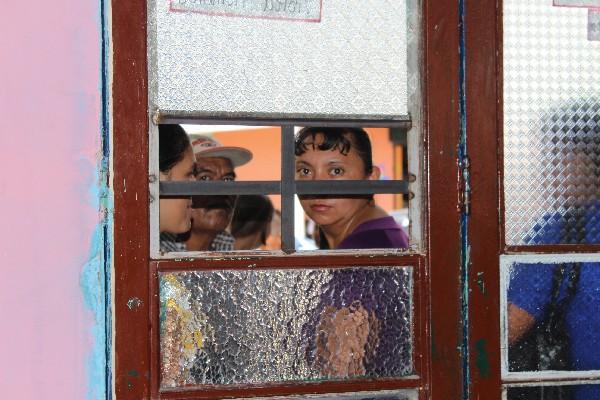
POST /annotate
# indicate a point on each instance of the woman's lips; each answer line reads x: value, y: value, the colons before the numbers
x: 319, y: 207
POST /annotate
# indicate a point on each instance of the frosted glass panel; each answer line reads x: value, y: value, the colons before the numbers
x: 227, y: 327
x: 293, y: 57
x: 551, y: 123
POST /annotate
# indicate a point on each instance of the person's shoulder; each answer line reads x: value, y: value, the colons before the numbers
x: 562, y: 227
x: 223, y: 241
x: 382, y: 233
x: 169, y: 243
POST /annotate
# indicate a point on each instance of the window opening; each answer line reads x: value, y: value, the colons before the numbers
x: 296, y: 195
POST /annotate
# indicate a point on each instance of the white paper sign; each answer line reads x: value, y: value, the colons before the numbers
x: 577, y: 3
x: 299, y: 10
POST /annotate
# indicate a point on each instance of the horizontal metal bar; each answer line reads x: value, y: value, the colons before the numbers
x: 183, y: 188
x: 280, y: 119
x: 351, y: 187
x: 333, y: 187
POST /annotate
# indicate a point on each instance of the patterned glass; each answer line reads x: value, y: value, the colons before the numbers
x: 552, y: 320
x: 261, y: 58
x: 555, y: 392
x: 260, y: 326
x: 551, y: 122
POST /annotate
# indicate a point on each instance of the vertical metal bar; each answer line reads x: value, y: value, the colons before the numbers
x: 287, y: 188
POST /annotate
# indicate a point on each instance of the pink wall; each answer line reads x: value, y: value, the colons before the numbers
x: 50, y: 115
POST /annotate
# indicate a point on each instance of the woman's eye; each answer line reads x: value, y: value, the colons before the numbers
x: 228, y: 179
x: 204, y: 178
x: 337, y: 171
x: 303, y: 171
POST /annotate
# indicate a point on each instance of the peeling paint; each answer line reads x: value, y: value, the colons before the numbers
x: 134, y: 302
x: 95, y: 287
x: 95, y: 279
x: 463, y: 162
x: 481, y: 282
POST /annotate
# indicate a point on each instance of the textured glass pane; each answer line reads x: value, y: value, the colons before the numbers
x: 245, y: 58
x: 551, y: 124
x: 552, y: 318
x: 379, y: 395
x: 222, y: 327
x: 563, y: 392
x: 594, y: 24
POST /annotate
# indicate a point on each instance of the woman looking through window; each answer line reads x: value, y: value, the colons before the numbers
x: 350, y: 222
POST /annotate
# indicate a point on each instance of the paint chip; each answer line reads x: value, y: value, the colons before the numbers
x: 134, y: 302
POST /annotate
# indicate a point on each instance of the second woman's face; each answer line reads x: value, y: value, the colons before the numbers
x: 176, y: 213
x: 317, y: 164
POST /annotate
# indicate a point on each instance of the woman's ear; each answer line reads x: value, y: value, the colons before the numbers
x: 375, y: 174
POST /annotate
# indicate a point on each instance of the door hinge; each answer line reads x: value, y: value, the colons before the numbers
x: 465, y: 185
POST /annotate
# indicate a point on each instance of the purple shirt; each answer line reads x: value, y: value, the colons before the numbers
x: 379, y: 233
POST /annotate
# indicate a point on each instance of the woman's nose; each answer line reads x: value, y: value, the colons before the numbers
x: 319, y: 175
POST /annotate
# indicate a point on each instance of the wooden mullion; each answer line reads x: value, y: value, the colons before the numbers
x: 483, y: 97
x: 130, y: 187
x: 441, y: 113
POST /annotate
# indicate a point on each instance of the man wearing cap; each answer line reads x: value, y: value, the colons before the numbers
x: 211, y: 215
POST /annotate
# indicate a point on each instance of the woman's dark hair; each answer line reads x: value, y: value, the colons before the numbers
x: 341, y: 139
x: 173, y: 142
x: 253, y: 213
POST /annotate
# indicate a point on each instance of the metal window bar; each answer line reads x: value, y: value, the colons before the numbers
x: 177, y: 189
x: 167, y: 117
x: 288, y: 187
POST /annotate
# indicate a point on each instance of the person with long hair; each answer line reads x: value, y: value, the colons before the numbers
x: 176, y: 163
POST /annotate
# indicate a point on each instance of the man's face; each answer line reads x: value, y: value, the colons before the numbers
x: 213, y: 213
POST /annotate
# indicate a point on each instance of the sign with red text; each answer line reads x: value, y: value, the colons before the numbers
x: 296, y: 10
x: 578, y: 3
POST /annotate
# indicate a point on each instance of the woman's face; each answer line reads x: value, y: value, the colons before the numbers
x: 317, y: 164
x: 176, y: 213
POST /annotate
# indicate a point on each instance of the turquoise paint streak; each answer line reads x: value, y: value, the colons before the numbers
x: 95, y: 286
x: 95, y: 279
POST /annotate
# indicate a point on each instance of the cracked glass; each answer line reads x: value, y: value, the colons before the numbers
x: 250, y: 327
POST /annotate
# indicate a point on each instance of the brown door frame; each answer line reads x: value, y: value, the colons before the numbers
x: 132, y: 275
x: 483, y: 89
